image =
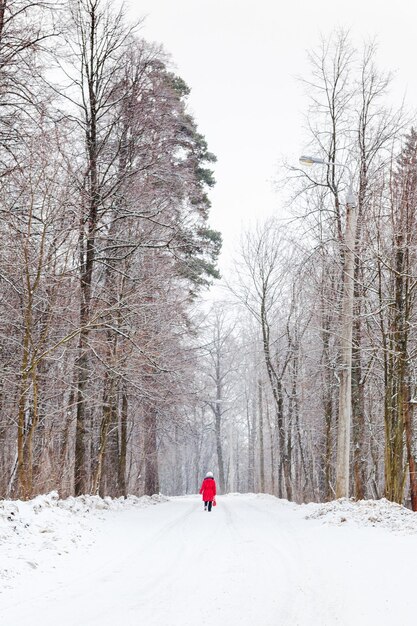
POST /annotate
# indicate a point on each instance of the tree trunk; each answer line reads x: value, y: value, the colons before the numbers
x: 150, y: 449
x: 345, y: 390
x: 251, y: 440
x: 358, y: 414
x: 410, y: 453
x: 261, y: 439
x: 219, y: 447
x: 123, y: 446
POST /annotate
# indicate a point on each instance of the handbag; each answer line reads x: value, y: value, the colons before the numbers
x: 214, y: 502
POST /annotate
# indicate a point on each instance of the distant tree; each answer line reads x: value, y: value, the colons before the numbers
x: 220, y: 370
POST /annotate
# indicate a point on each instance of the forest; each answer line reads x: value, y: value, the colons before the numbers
x: 118, y: 375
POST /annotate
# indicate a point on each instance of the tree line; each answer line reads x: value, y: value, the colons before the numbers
x: 105, y: 245
x: 113, y: 378
x: 274, y: 363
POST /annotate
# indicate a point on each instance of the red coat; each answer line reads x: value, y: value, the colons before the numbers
x: 208, y: 489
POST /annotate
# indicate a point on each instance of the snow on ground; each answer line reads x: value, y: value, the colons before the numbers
x: 36, y: 533
x: 380, y: 513
x: 253, y: 561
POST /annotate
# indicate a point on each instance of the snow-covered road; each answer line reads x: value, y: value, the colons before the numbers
x: 252, y: 561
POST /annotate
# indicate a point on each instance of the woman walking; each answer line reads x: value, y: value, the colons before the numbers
x: 208, y: 491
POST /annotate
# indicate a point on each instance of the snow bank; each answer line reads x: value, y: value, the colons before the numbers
x: 363, y: 513
x: 41, y: 531
x: 378, y: 513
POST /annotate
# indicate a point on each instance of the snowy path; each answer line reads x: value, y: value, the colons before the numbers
x: 253, y: 561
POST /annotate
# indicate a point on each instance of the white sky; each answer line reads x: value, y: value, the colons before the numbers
x: 241, y: 59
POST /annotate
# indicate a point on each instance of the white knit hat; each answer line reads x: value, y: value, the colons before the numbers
x: 209, y: 475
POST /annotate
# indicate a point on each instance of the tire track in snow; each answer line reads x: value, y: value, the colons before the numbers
x: 312, y: 604
x: 278, y: 563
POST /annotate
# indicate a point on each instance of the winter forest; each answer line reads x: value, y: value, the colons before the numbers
x: 118, y: 374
